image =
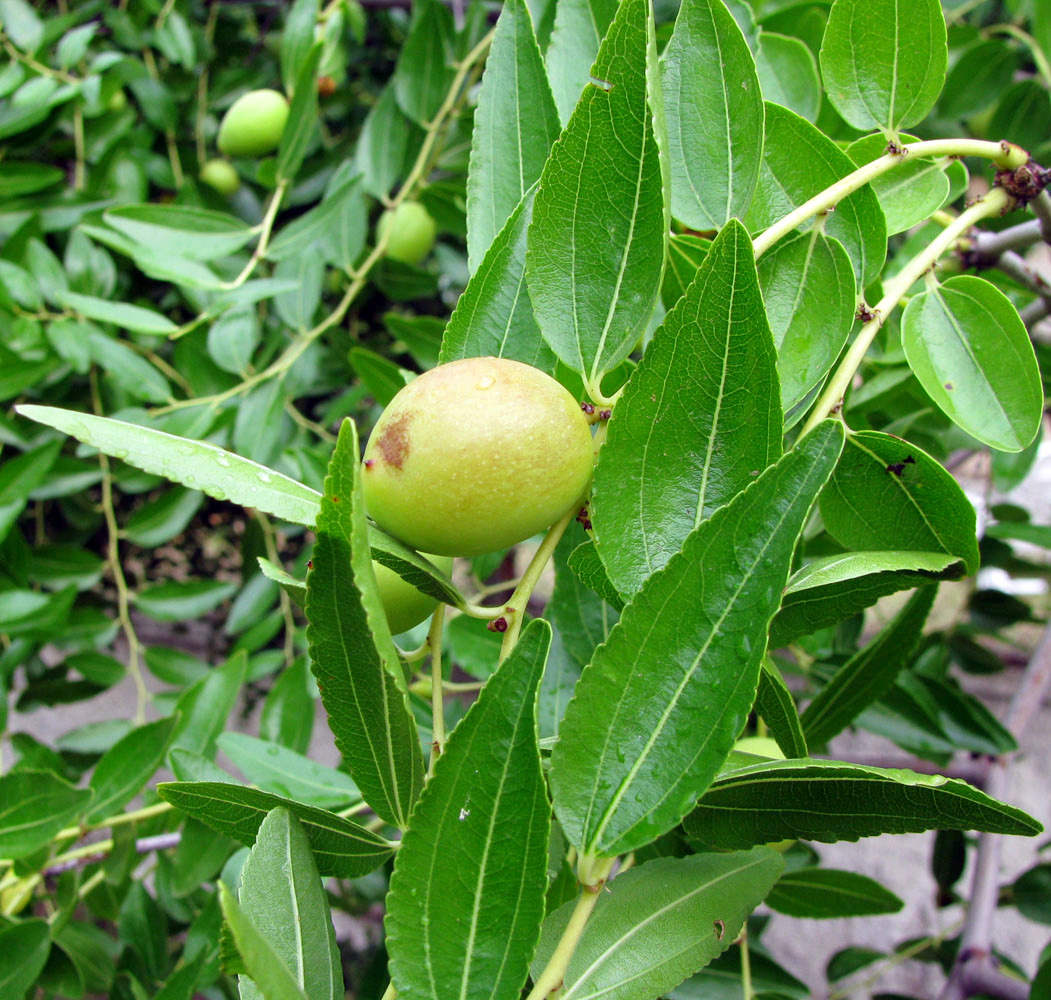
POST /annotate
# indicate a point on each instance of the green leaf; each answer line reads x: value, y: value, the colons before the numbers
x: 494, y: 315
x: 273, y: 978
x: 341, y: 847
x: 982, y: 73
x: 133, y: 373
x: 34, y: 806
x: 808, y: 286
x: 288, y: 712
x: 178, y: 600
x: 313, y: 227
x: 969, y: 348
x: 302, y: 117
x: 830, y: 800
x: 685, y: 659
x: 296, y: 41
x: 659, y: 923
x: 352, y: 654
x: 197, y: 464
x: 425, y: 69
x: 872, y: 505
x: 599, y: 229
x: 777, y: 708
x: 1024, y: 113
x: 685, y: 254
x: 18, y: 177
x: 24, y: 948
x: 868, y: 673
x: 296, y: 589
x: 700, y: 418
x: 298, y: 306
x: 160, y: 520
x: 121, y: 314
x: 21, y: 475
x: 585, y: 562
x: 515, y: 123
x: 123, y: 770
x: 205, y: 706
x: 383, y: 378
x: 155, y: 262
x: 788, y: 74
x: 883, y: 61
x: 580, y: 26
x: 193, y: 233
x: 384, y: 145
x: 1034, y: 534
x: 799, y: 161
x: 21, y: 24
x: 277, y: 769
x: 412, y: 567
x: 825, y: 893
x: 714, y: 110
x: 281, y: 893
x: 468, y: 885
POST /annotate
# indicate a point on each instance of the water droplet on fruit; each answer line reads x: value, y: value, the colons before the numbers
x: 485, y: 382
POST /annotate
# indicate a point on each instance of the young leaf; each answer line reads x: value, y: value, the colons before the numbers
x: 123, y: 770
x: 830, y: 800
x: 272, y: 977
x: 352, y: 654
x: 341, y: 847
x: 714, y: 110
x: 683, y: 664
x: 197, y: 464
x: 425, y: 68
x: 599, y: 229
x: 777, y: 708
x: 888, y: 494
x: 659, y: 923
x: 883, y: 62
x: 699, y: 419
x: 800, y: 161
x: 969, y: 348
x: 808, y: 286
x: 467, y: 894
x: 515, y: 123
x: 825, y: 893
x: 869, y: 672
x: 34, y: 806
x: 580, y: 26
x: 281, y: 893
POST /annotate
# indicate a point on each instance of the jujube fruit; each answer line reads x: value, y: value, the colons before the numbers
x: 221, y: 176
x: 410, y: 232
x: 404, y: 605
x: 253, y: 124
x: 476, y: 455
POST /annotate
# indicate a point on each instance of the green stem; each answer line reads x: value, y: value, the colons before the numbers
x: 746, y: 966
x: 1005, y: 155
x: 434, y: 641
x: 78, y: 146
x: 994, y: 203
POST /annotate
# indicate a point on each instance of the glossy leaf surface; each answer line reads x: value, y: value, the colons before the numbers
x: 826, y: 893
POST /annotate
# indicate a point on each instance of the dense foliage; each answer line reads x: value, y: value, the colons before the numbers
x: 776, y: 251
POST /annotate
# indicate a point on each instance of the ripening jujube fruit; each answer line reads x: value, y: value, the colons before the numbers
x: 410, y: 232
x: 476, y: 455
x: 404, y: 605
x: 221, y: 176
x: 253, y: 124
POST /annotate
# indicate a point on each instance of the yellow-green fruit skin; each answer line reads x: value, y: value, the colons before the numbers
x: 476, y: 455
x: 253, y: 124
x: 221, y: 176
x: 403, y: 604
x: 410, y: 232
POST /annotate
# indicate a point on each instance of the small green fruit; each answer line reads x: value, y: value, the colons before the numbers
x: 117, y: 102
x: 410, y: 232
x: 253, y: 124
x: 404, y: 605
x: 475, y: 456
x: 220, y: 175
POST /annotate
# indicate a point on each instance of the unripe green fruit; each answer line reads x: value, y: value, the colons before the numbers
x: 475, y: 456
x: 404, y: 605
x: 253, y: 124
x: 220, y: 175
x: 118, y: 101
x: 410, y: 232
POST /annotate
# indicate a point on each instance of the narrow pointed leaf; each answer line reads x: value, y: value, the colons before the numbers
x: 412, y: 567
x: 825, y: 893
x: 884, y: 61
x: 699, y: 420
x: 202, y: 466
x: 123, y: 770
x: 34, y: 806
x: 281, y: 893
x: 515, y: 123
x: 120, y: 314
x: 969, y: 348
x: 580, y: 26
x: 205, y: 705
x: 302, y: 117
x: 888, y: 494
x: 659, y: 923
x: 659, y: 707
x: 494, y: 316
x: 352, y: 654
x: 868, y: 673
x: 800, y: 161
x: 777, y: 708
x: 808, y: 287
x: 830, y: 800
x: 599, y: 229
x: 467, y: 894
x: 714, y: 110
x: 340, y: 846
x: 192, y: 233
x: 425, y: 64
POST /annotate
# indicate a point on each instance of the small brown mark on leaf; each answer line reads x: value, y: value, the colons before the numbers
x: 720, y: 929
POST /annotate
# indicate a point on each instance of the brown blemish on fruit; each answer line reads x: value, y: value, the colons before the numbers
x: 393, y: 443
